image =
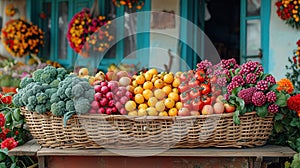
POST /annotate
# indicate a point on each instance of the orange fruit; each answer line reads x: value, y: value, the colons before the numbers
x: 130, y: 88
x: 174, y: 96
x: 152, y: 111
x: 159, y: 94
x: 176, y: 82
x: 148, y: 85
x: 138, y: 90
x: 177, y: 74
x: 175, y: 90
x: 140, y: 79
x: 143, y: 106
x: 173, y: 112
x: 130, y: 105
x: 147, y: 94
x: 158, y: 83
x: 167, y: 89
x: 169, y: 103
x: 163, y: 113
x: 134, y: 84
x: 168, y: 78
x: 133, y: 113
x: 152, y: 101
x: 142, y: 112
x: 139, y: 98
x: 153, y: 71
x: 83, y: 72
x: 160, y: 106
x: 148, y: 76
x: 178, y: 105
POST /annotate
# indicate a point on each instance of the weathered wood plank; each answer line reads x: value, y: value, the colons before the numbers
x: 264, y: 151
x: 28, y: 149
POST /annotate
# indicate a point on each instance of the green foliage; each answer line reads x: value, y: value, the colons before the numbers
x: 293, y: 74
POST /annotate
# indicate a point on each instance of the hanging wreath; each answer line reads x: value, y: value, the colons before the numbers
x: 138, y: 4
x: 10, y: 10
x: 21, y: 38
x: 289, y: 11
x: 86, y: 33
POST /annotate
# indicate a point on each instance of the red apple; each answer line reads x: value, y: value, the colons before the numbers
x: 229, y: 108
x: 218, y: 108
x: 195, y: 113
x: 207, y: 109
x: 183, y: 111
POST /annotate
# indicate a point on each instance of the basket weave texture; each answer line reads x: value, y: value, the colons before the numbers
x: 126, y: 132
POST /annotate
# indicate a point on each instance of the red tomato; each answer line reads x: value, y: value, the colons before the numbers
x: 207, y: 100
x: 200, y: 76
x: 197, y: 104
x: 213, y: 80
x: 6, y: 99
x: 183, y: 77
x: 194, y: 93
x: 183, y: 87
x: 205, y: 89
x: 187, y: 105
x: 184, y: 97
x: 193, y: 83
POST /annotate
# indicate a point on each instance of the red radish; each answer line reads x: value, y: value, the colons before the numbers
x: 113, y: 85
x: 118, y: 105
x: 95, y: 105
x: 128, y: 94
x: 97, y: 96
x: 111, y: 103
x: 108, y: 111
x: 101, y: 110
x: 124, y: 99
x: 103, y: 102
x: 93, y: 111
x: 103, y: 83
x: 109, y: 95
x: 104, y: 89
x: 123, y: 111
x: 121, y: 74
x: 114, y: 109
x: 119, y: 93
x: 97, y: 88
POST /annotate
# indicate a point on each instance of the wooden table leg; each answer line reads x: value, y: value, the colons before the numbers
x: 41, y: 161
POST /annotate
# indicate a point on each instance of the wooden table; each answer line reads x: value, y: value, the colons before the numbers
x: 197, y: 157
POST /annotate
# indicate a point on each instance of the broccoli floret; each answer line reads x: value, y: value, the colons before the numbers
x: 48, y: 106
x: 68, y: 92
x: 45, y: 86
x: 36, y: 75
x: 58, y: 109
x: 50, y: 70
x: 60, y: 91
x: 54, y: 98
x: 25, y: 81
x: 46, y: 78
x: 70, y: 105
x: 25, y: 97
x: 41, y: 108
x: 54, y: 84
x: 85, y: 85
x: 82, y: 105
x: 61, y: 73
x: 30, y: 107
x: 50, y: 92
x: 32, y: 100
x: 17, y: 98
x: 41, y: 98
x: 89, y: 94
x: 77, y: 91
x: 36, y: 89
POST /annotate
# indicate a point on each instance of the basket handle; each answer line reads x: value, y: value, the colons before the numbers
x: 95, y: 12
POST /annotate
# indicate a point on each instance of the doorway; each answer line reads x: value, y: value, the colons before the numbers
x: 222, y: 26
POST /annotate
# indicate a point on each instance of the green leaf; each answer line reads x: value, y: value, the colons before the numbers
x: 14, y: 165
x: 262, y: 111
x: 278, y: 127
x: 281, y: 100
x: 8, y: 117
x: 236, y: 118
x: 273, y: 87
x: 264, y: 76
x: 67, y: 116
x: 2, y: 165
x: 278, y: 116
x: 17, y: 114
x: 295, y: 122
x: 235, y: 91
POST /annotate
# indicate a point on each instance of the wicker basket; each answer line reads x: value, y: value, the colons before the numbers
x: 125, y: 132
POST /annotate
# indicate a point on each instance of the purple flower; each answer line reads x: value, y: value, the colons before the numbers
x: 221, y: 81
x: 273, y: 108
x: 271, y: 80
x: 262, y: 85
x: 251, y: 78
x: 232, y: 85
x: 271, y: 97
x: 259, y: 98
x: 246, y: 94
x: 251, y: 67
x: 204, y: 65
x: 239, y: 79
